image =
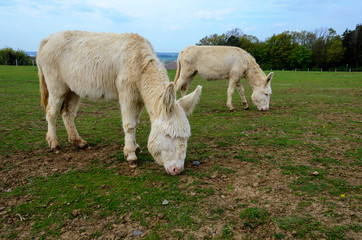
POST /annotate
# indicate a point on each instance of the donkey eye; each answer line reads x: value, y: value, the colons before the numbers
x: 168, y: 136
x: 266, y: 94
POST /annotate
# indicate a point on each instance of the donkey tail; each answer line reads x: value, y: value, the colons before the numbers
x: 177, y: 76
x: 43, y: 88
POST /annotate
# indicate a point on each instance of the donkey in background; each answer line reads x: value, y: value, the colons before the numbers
x: 223, y: 62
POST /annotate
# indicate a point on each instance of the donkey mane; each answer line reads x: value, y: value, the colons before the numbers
x: 254, y: 75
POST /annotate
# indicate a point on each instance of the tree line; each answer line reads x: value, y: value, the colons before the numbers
x: 320, y: 49
x: 9, y: 56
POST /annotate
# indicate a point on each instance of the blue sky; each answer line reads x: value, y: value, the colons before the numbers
x: 170, y: 25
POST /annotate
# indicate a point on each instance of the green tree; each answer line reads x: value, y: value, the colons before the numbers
x: 249, y: 43
x: 304, y: 38
x: 300, y: 57
x: 352, y: 42
x: 236, y: 32
x: 319, y: 53
x: 233, y: 41
x: 280, y: 48
x: 335, y: 52
x: 213, y: 40
x: 262, y: 55
x: 8, y: 56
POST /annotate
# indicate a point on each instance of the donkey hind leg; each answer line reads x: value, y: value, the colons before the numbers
x: 131, y: 111
x: 241, y: 91
x: 52, y: 111
x: 68, y: 112
x: 230, y: 93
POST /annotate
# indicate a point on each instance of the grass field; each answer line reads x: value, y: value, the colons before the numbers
x: 293, y: 172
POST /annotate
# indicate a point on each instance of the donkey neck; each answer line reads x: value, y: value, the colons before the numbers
x: 254, y: 75
x: 152, y: 86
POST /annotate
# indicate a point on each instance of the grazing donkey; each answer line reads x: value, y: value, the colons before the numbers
x: 222, y: 62
x: 105, y: 66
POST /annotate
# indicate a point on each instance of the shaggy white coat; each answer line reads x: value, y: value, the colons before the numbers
x: 105, y: 66
x: 223, y: 62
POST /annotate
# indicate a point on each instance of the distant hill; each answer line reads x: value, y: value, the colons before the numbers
x: 31, y: 54
x: 168, y: 59
x: 170, y: 65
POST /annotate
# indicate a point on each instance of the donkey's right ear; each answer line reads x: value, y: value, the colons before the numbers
x: 189, y: 101
x: 269, y: 78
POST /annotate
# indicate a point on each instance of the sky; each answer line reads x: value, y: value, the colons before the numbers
x: 169, y: 25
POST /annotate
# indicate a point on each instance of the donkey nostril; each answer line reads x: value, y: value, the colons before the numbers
x: 177, y: 170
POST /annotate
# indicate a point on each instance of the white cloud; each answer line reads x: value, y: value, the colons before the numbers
x: 204, y: 15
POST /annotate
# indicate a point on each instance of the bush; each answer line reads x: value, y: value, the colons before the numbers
x: 9, y: 56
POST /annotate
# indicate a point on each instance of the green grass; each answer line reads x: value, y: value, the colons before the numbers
x: 313, y: 125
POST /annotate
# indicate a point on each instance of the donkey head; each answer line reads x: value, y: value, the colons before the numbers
x: 170, y: 131
x: 261, y: 94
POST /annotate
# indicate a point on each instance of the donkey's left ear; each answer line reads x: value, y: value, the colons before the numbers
x: 269, y: 78
x: 189, y: 101
x: 169, y: 98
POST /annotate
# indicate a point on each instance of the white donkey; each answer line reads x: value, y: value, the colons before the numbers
x: 104, y: 66
x: 222, y: 62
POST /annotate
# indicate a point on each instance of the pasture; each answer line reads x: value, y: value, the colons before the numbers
x: 293, y: 172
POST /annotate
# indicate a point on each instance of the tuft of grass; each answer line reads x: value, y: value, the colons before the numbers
x: 326, y: 161
x: 227, y: 231
x: 254, y: 217
x: 301, y: 227
x: 223, y: 169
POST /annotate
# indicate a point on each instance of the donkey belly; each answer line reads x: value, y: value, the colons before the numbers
x: 213, y: 74
x: 94, y: 89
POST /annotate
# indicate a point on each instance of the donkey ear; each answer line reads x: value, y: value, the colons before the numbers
x: 269, y: 78
x: 189, y: 101
x: 169, y: 98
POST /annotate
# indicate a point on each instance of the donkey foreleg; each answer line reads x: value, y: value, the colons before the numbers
x: 131, y: 111
x: 130, y: 146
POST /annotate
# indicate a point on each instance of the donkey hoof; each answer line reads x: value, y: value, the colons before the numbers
x: 56, y: 149
x: 232, y: 109
x: 246, y: 108
x: 132, y: 164
x: 85, y: 147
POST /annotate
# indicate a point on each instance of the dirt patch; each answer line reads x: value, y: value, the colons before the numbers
x: 17, y: 168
